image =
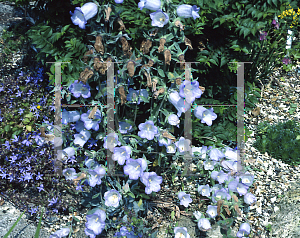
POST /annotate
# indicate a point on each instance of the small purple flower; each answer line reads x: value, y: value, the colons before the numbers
x: 190, y: 91
x: 147, y: 130
x: 39, y: 176
x: 7, y: 145
x: 185, y: 199
x: 159, y: 18
x: 82, y: 14
x: 231, y: 154
x: 112, y: 198
x: 235, y: 186
x: 119, y: 1
x: 204, y: 224
x: 91, y: 123
x: 70, y: 173
x: 52, y: 201
x: 187, y: 11
x: 249, y: 198
x: 124, y: 127
x: 263, y: 35
x: 68, y: 152
x: 173, y: 120
x: 121, y: 154
x: 135, y: 168
x: 244, y: 230
x: 41, y: 188
x: 153, y: 5
x: 152, y: 182
x: 79, y: 89
x: 95, y: 223
x: 181, y: 232
x: 201, y: 150
x: 32, y: 210
x: 212, y: 211
x: 204, y: 190
x: 276, y: 24
x: 60, y: 233
x: 206, y: 115
x: 171, y: 149
x: 27, y: 176
x: 286, y: 61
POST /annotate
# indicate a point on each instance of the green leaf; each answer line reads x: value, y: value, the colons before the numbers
x: 37, y: 233
x: 131, y: 194
x: 140, y: 203
x: 11, y: 229
x: 6, y: 128
x: 96, y: 195
x: 161, y: 73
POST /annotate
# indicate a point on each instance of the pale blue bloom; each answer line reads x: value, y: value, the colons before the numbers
x: 152, y: 182
x: 249, y: 198
x: 121, y: 154
x: 60, y: 233
x: 79, y: 89
x: 206, y: 115
x: 147, y: 130
x: 185, y: 199
x: 70, y: 173
x: 212, y: 211
x: 82, y: 137
x: 119, y: 1
x: 91, y: 123
x: 135, y: 168
x: 190, y: 91
x: 244, y: 230
x: 181, y: 232
x: 95, y: 223
x: 150, y: 4
x: 82, y: 14
x: 204, y: 190
x: 173, y: 120
x: 112, y: 198
x: 187, y: 11
x: 96, y: 175
x: 178, y: 102
x: 204, y: 224
x: 159, y: 18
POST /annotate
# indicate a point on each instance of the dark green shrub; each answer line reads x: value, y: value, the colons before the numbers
x: 281, y: 140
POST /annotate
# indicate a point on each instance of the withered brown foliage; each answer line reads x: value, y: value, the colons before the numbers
x: 122, y: 94
x: 107, y: 13
x: 122, y: 26
x: 181, y: 59
x: 188, y: 43
x: 86, y: 55
x: 92, y: 113
x: 85, y: 75
x: 167, y: 55
x: 156, y: 93
x: 130, y: 68
x: 178, y: 81
x: 161, y: 47
x: 98, y: 45
x: 126, y: 47
x: 179, y: 24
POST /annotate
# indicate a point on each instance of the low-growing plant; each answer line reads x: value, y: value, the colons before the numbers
x: 281, y: 141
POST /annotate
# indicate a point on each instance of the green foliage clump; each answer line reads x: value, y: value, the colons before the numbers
x: 281, y: 140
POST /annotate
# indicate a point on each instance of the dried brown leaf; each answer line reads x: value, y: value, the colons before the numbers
x: 167, y: 55
x: 219, y: 204
x: 92, y: 113
x: 98, y: 45
x: 107, y: 13
x: 130, y: 68
x: 85, y: 75
x: 86, y: 54
x: 161, y: 47
x: 188, y: 43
